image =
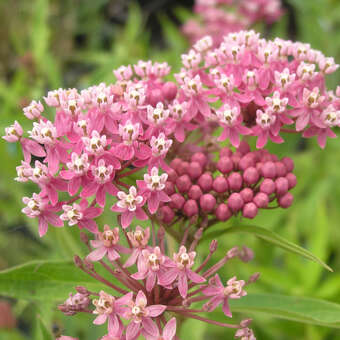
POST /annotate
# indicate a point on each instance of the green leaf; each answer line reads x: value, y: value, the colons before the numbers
x: 299, y: 309
x: 44, y: 281
x: 44, y: 333
x: 270, y: 237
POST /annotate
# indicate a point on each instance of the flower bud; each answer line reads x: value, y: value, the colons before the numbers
x: 205, y: 182
x: 267, y: 186
x: 291, y: 180
x: 268, y: 170
x: 261, y: 200
x: 220, y: 184
x: 235, y: 202
x: 281, y: 169
x: 225, y: 152
x: 177, y: 201
x: 282, y: 185
x: 169, y: 90
x: 172, y: 175
x: 169, y: 188
x: 207, y: 202
x: 174, y: 163
x: 250, y: 210
x: 288, y: 162
x: 190, y: 208
x: 251, y: 175
x: 182, y: 168
x: 183, y: 183
x: 286, y: 200
x: 235, y: 181
x: 194, y: 170
x: 222, y: 212
x: 247, y: 195
x: 155, y: 97
x: 195, y: 192
x: 225, y: 165
x: 166, y: 214
x: 200, y: 158
x: 246, y: 161
x: 243, y: 148
x: 213, y: 246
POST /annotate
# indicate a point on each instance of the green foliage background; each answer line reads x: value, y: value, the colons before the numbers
x: 39, y: 51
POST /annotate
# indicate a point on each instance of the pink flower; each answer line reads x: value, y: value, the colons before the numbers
x: 140, y: 316
x: 109, y: 308
x: 130, y: 206
x: 34, y: 110
x: 153, y: 189
x: 82, y: 215
x: 100, y: 182
x: 180, y: 269
x: 231, y: 121
x: 169, y: 332
x: 139, y: 240
x: 107, y: 244
x: 36, y: 206
x: 221, y: 294
x: 151, y: 267
x: 245, y: 334
x: 13, y: 133
x: 65, y: 337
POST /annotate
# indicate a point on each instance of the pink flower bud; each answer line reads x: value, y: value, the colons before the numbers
x: 177, y: 201
x: 195, y: 192
x: 288, y: 162
x: 243, y: 148
x: 207, y: 202
x: 194, y: 170
x: 246, y: 162
x: 282, y: 185
x: 267, y: 186
x: 169, y: 90
x: 182, y: 168
x: 183, y: 183
x: 235, y: 202
x: 250, y: 210
x: 155, y: 97
x: 235, y: 158
x: 251, y: 175
x: 225, y: 152
x: 200, y: 158
x: 205, y: 182
x: 247, y: 195
x: 222, y: 212
x: 291, y: 180
x: 225, y: 165
x: 213, y: 246
x: 169, y: 188
x: 220, y: 184
x: 175, y: 162
x: 268, y: 170
x: 281, y: 169
x: 172, y: 175
x: 190, y: 208
x: 235, y: 181
x: 286, y: 200
x: 261, y: 200
x: 166, y: 214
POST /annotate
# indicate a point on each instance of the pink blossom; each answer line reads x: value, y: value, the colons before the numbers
x: 130, y: 206
x: 36, y: 206
x: 13, y: 133
x: 140, y: 314
x: 106, y: 244
x: 152, y: 188
x: 180, y: 269
x: 221, y: 294
x: 34, y: 110
x: 82, y: 215
x: 169, y: 331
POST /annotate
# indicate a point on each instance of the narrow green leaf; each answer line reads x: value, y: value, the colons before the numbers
x: 44, y: 281
x: 44, y: 332
x: 270, y: 237
x: 300, y: 309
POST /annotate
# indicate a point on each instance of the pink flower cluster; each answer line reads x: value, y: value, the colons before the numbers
x: 260, y: 88
x: 217, y: 18
x: 154, y: 285
x: 238, y: 182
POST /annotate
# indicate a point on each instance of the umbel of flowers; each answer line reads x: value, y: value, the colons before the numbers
x: 218, y: 18
x: 155, y: 146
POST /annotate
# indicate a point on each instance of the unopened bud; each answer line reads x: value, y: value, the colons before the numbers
x: 213, y: 246
x: 77, y: 261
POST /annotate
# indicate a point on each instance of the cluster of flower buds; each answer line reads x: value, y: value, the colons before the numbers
x: 150, y: 287
x: 218, y: 18
x: 238, y: 182
x: 260, y: 88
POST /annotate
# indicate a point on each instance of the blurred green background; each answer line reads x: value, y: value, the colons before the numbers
x: 47, y: 44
